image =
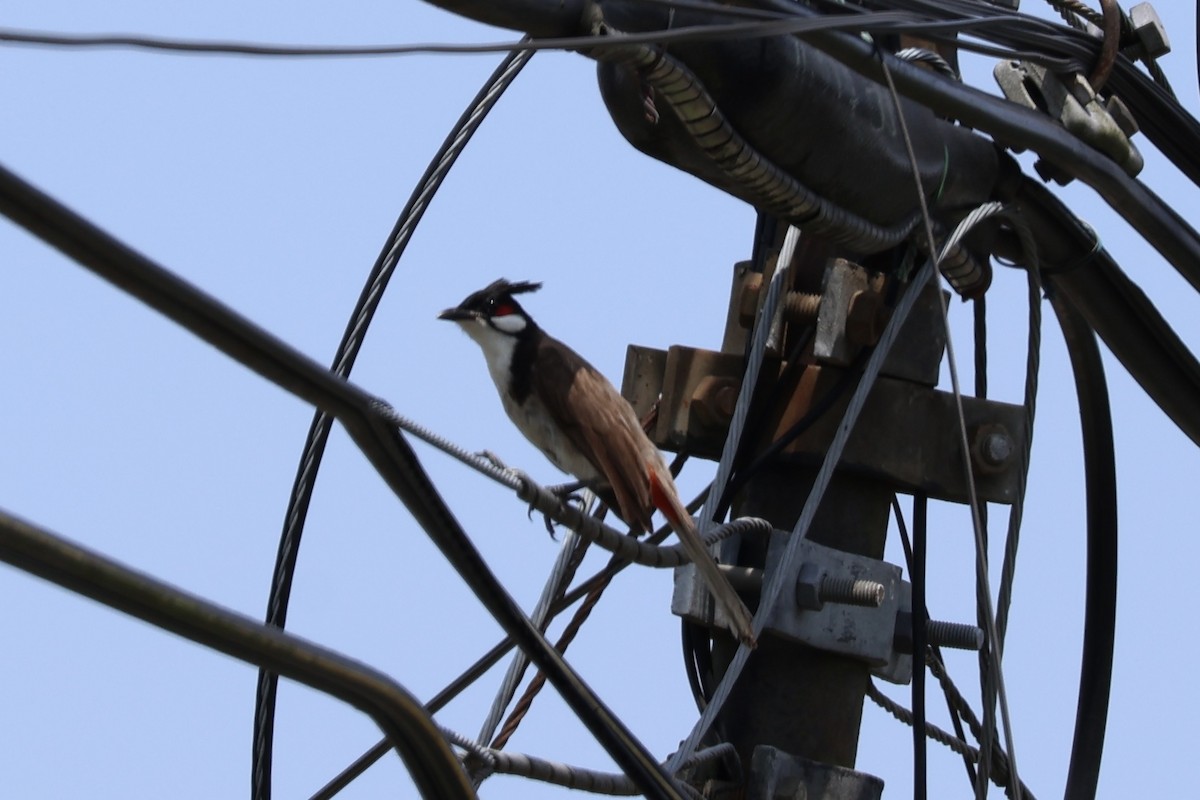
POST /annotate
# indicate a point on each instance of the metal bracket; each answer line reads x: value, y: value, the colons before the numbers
x: 866, y: 634
x: 903, y: 435
x: 838, y: 602
x: 776, y: 775
x: 1072, y: 102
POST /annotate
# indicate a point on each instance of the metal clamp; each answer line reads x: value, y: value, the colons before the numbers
x: 1073, y: 103
x: 841, y: 603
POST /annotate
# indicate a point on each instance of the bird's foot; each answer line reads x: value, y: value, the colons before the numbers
x: 566, y: 493
x: 494, y: 460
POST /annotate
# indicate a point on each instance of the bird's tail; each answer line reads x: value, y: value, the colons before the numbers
x: 666, y: 499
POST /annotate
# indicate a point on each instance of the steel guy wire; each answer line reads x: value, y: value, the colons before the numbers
x: 580, y: 778
x: 1032, y: 362
x: 963, y: 227
x: 767, y: 315
x: 960, y: 709
x: 994, y: 650
x: 560, y: 575
x: 348, y: 349
x: 542, y: 499
x: 594, y: 588
x: 774, y: 581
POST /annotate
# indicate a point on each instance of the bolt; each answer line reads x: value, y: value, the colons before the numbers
x: 953, y: 634
x: 993, y: 448
x: 747, y: 305
x: 996, y: 449
x: 1151, y: 33
x: 937, y: 632
x: 801, y: 307
x: 815, y: 588
x: 851, y: 592
x: 714, y: 399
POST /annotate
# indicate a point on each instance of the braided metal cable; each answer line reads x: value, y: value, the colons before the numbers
x: 1032, y: 364
x: 765, y: 322
x: 931, y: 731
x: 572, y: 777
x: 922, y: 55
x: 556, y: 508
x: 1072, y: 9
x: 348, y: 349
x: 570, y: 555
x: 594, y: 588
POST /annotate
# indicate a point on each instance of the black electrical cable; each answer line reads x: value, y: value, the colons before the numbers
x: 697, y: 651
x: 1100, y: 608
x: 407, y: 725
x: 1114, y: 306
x: 919, y: 617
x: 935, y: 651
x: 343, y: 362
x: 375, y: 436
x: 1160, y: 225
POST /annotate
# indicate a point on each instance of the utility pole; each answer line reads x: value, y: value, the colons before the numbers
x: 794, y: 713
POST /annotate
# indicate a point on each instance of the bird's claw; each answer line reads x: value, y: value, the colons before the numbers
x: 494, y: 460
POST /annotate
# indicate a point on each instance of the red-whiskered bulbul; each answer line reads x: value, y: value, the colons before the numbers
x: 582, y: 424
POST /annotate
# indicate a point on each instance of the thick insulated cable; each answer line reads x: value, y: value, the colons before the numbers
x: 1100, y: 606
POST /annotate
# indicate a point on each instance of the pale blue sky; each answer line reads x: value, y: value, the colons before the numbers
x: 271, y: 184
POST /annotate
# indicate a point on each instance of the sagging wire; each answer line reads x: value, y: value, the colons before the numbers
x: 616, y: 784
x: 989, y: 672
x: 981, y: 381
x: 343, y: 362
x: 765, y: 26
x: 964, y: 226
x: 1100, y: 609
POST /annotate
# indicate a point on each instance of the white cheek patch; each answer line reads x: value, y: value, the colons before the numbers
x: 510, y: 323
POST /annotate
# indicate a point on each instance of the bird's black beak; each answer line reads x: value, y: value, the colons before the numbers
x: 456, y: 314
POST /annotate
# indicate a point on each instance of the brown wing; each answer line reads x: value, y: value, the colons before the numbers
x: 600, y: 423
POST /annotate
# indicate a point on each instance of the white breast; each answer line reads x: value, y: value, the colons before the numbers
x: 531, y: 419
x: 535, y: 423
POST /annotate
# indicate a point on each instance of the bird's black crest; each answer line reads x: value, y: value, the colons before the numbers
x: 503, y: 286
x: 497, y: 291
